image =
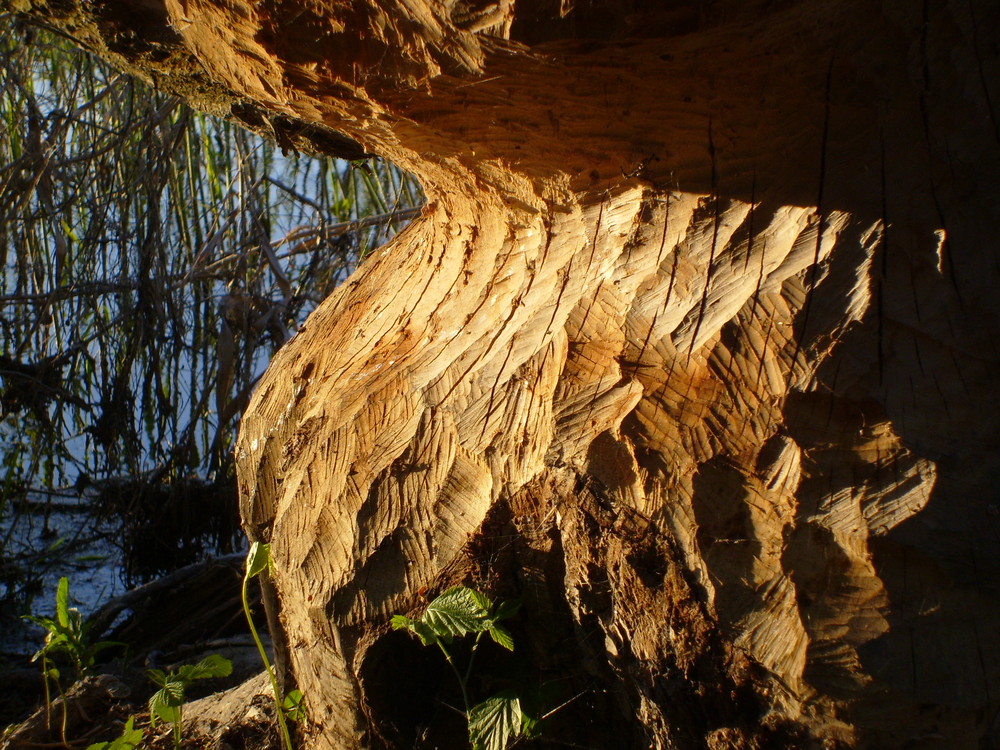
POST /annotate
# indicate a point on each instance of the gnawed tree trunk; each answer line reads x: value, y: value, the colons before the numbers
x: 693, y: 349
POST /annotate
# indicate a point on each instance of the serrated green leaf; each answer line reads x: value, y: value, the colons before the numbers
x: 293, y: 706
x: 401, y: 622
x: 483, y: 601
x: 507, y: 609
x: 173, y: 692
x: 258, y: 558
x: 427, y: 636
x: 457, y: 611
x: 130, y: 738
x: 157, y: 677
x: 212, y: 665
x: 495, y: 722
x: 501, y: 636
x: 164, y: 705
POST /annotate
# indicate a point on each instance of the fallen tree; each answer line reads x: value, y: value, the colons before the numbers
x: 693, y: 349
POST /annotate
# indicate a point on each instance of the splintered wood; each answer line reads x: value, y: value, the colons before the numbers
x: 633, y: 341
x: 693, y: 347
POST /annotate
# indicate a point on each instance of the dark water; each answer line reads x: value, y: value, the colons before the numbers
x: 65, y: 541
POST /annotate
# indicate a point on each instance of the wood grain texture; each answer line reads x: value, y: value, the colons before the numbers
x: 693, y: 348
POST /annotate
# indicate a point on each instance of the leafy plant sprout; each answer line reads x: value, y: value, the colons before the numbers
x: 167, y: 703
x: 67, y: 633
x: 461, y: 611
x: 129, y: 739
x: 259, y: 561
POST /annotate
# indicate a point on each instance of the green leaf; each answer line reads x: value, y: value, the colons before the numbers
x: 507, y: 609
x: 495, y: 722
x: 157, y: 677
x: 481, y: 600
x: 130, y: 734
x: 62, y: 602
x: 59, y: 543
x: 173, y: 692
x: 44, y: 622
x: 130, y: 738
x: 457, y: 611
x: 427, y: 636
x: 529, y: 725
x: 212, y: 665
x: 401, y: 622
x: 57, y: 641
x: 258, y: 558
x: 293, y: 706
x: 501, y: 636
x: 163, y: 705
